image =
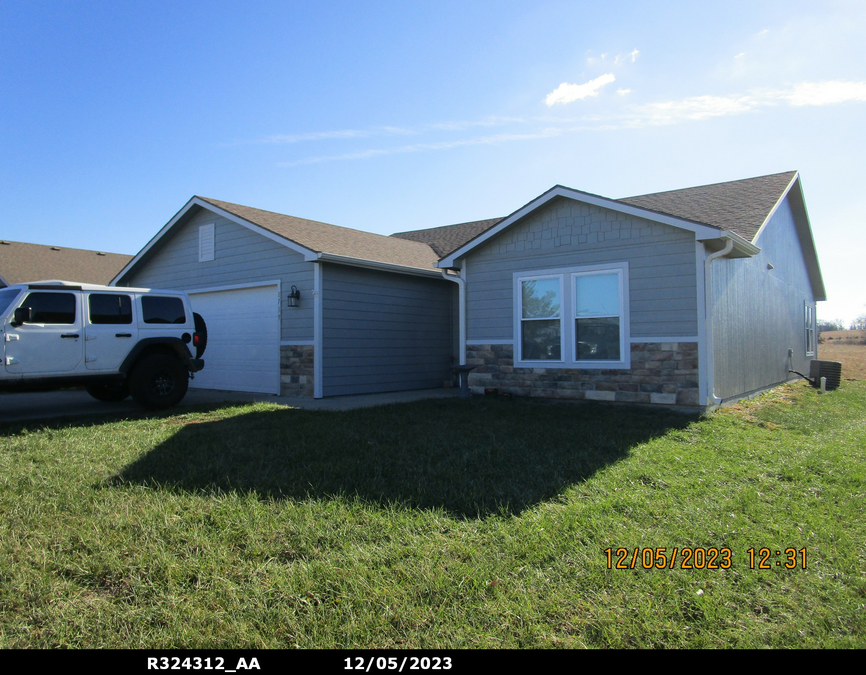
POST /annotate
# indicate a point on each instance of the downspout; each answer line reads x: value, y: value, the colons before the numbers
x: 461, y: 311
x: 708, y: 319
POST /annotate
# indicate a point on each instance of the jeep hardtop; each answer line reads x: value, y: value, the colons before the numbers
x: 114, y: 341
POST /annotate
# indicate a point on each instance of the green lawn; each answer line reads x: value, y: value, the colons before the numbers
x: 438, y: 524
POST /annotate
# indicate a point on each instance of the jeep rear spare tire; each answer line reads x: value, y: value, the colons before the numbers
x: 201, y: 331
x: 158, y: 381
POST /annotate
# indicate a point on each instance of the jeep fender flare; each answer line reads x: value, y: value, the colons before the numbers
x: 174, y: 344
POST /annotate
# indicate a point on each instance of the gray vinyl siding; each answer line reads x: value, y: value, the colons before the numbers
x: 384, y: 332
x: 759, y: 313
x: 566, y: 233
x: 240, y: 257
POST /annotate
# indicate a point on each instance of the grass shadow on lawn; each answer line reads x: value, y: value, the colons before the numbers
x: 472, y: 459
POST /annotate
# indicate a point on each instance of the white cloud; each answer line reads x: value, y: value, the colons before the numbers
x: 619, y: 59
x: 693, y: 108
x: 826, y: 93
x: 740, y: 55
x: 316, y: 136
x: 348, y: 134
x: 420, y: 147
x: 566, y: 93
x: 703, y: 107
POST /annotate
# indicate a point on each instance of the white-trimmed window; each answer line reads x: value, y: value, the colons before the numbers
x: 810, y: 330
x: 572, y: 317
x: 541, y: 318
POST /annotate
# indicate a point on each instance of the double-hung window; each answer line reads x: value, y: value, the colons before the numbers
x: 572, y: 317
x: 541, y: 318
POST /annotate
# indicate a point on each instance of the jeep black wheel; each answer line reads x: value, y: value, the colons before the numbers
x: 109, y: 393
x: 158, y: 381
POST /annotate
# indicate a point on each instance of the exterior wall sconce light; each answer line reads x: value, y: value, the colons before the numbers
x: 293, y: 297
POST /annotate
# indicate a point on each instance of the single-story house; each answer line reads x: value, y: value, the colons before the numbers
x: 20, y: 262
x: 690, y: 297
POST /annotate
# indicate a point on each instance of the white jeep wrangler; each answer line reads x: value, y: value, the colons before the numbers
x: 113, y: 341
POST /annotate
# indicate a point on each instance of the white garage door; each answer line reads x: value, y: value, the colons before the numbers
x: 243, y: 339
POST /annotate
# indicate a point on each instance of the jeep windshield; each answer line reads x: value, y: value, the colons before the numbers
x: 6, y: 297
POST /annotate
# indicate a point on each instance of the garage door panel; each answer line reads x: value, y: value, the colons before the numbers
x: 243, y: 352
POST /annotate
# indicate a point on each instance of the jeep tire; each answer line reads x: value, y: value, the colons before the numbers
x: 109, y: 393
x: 158, y: 381
x: 201, y: 329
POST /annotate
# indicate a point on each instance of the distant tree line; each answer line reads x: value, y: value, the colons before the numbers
x: 827, y: 325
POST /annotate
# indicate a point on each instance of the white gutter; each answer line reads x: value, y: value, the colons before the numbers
x: 461, y: 310
x: 708, y: 318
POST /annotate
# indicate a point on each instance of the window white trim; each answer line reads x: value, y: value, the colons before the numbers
x: 568, y: 347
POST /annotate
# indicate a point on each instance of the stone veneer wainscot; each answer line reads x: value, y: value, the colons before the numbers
x: 662, y: 373
x: 296, y: 370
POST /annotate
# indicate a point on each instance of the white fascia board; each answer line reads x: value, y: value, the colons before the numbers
x: 701, y: 231
x: 372, y: 264
x: 820, y: 293
x: 195, y: 201
x: 149, y: 245
x: 776, y: 206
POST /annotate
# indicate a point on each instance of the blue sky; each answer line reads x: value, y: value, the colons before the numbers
x: 392, y: 116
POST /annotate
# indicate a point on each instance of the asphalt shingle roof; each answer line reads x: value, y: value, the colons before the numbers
x: 336, y: 240
x: 740, y: 206
x: 20, y: 262
x: 448, y: 238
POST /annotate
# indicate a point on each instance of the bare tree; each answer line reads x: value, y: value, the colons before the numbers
x: 826, y: 325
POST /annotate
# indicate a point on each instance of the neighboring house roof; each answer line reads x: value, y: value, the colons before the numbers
x: 448, y: 238
x: 21, y: 262
x: 739, y: 206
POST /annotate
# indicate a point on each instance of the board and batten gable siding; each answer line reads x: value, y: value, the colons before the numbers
x: 240, y: 257
x: 759, y: 313
x: 568, y: 233
x: 384, y: 332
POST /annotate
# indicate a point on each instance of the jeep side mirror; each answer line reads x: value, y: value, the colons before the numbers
x: 22, y: 315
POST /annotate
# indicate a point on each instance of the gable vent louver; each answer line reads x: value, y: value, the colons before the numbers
x: 205, y: 242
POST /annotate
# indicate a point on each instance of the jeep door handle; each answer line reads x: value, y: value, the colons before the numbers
x: 69, y: 335
x: 123, y: 335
